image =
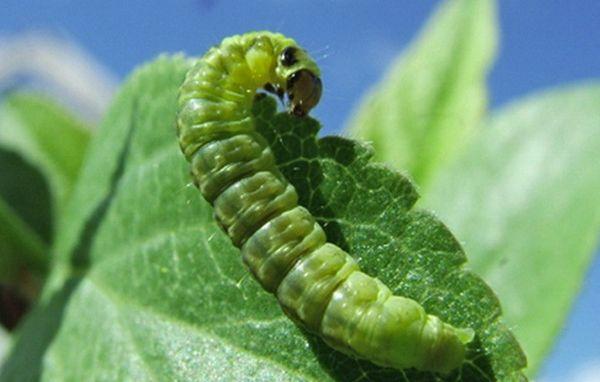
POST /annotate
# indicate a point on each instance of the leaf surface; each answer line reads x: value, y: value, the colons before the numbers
x: 147, y: 286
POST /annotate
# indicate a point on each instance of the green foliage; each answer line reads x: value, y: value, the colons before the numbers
x: 46, y: 136
x: 41, y: 149
x: 520, y: 192
x: 146, y: 285
x: 4, y: 341
x: 428, y: 105
x: 524, y: 198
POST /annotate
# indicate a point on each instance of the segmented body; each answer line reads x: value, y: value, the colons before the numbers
x: 318, y: 284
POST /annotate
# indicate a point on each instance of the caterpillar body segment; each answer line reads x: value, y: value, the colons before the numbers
x: 318, y: 285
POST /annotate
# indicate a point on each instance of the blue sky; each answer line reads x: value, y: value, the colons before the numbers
x: 543, y: 44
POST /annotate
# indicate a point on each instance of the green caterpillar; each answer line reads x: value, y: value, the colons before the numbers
x: 318, y: 285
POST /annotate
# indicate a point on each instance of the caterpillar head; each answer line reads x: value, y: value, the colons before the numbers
x: 299, y: 79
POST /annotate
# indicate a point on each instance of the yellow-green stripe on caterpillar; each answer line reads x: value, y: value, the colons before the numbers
x: 318, y: 285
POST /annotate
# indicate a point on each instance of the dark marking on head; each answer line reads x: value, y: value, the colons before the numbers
x: 288, y: 56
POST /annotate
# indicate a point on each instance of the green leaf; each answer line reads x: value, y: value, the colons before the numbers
x: 41, y: 149
x: 24, y: 218
x: 428, y: 105
x: 46, y: 136
x: 524, y: 199
x: 4, y: 341
x: 148, y: 287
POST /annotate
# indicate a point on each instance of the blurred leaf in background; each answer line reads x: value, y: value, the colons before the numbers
x: 433, y: 98
x: 520, y: 190
x: 4, y: 340
x: 41, y: 150
x: 524, y: 197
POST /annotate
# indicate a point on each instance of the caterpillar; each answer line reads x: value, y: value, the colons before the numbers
x: 318, y: 285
